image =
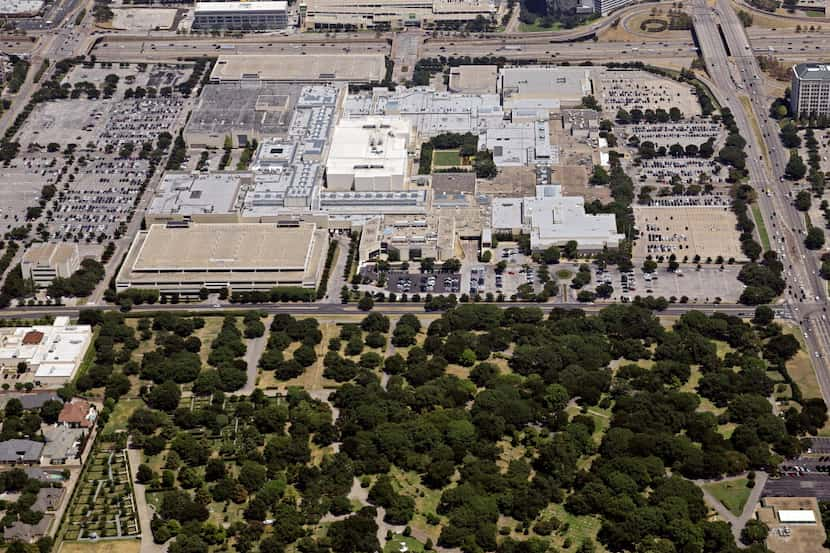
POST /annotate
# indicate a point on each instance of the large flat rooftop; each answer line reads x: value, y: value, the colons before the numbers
x: 264, y: 108
x: 189, y: 194
x: 308, y: 68
x: 244, y: 246
x: 241, y: 7
x: 238, y: 255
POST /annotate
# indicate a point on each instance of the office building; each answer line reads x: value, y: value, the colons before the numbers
x: 544, y: 87
x: 241, y: 257
x: 43, y: 263
x: 604, y: 7
x: 369, y: 154
x: 553, y: 220
x: 810, y: 89
x: 52, y: 354
x: 240, y: 16
x: 391, y: 14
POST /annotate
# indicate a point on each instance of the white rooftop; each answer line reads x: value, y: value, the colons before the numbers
x: 202, y: 7
x: 552, y: 219
x: 369, y: 147
x: 804, y: 516
x: 52, y: 351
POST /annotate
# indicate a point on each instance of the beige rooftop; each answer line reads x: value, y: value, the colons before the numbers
x: 308, y: 68
x: 230, y: 247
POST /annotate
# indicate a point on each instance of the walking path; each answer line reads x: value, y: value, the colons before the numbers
x: 737, y: 522
x: 145, y: 513
x: 253, y: 352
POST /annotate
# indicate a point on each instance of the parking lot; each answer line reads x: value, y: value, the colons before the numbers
x: 94, y: 150
x: 675, y: 227
x: 640, y: 90
x: 695, y: 132
x: 696, y: 286
x: 661, y: 170
x: 807, y: 476
x: 402, y: 282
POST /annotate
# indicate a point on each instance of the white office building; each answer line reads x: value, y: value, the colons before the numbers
x: 554, y: 220
x: 369, y: 154
x: 810, y: 85
x: 604, y: 7
x: 240, y: 16
x: 43, y: 263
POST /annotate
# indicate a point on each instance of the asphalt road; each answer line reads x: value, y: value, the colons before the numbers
x: 347, y: 309
x: 738, y: 77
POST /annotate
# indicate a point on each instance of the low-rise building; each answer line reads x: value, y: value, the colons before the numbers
x: 391, y: 14
x: 241, y: 16
x: 28, y: 533
x: 43, y: 263
x: 78, y: 413
x: 51, y: 354
x: 369, y: 154
x: 20, y: 452
x: 554, y: 220
x: 63, y: 445
x: 434, y: 235
x: 48, y: 499
x: 544, y: 87
x: 31, y: 400
x: 241, y: 257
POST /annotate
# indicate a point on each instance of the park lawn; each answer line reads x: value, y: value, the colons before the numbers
x: 537, y: 27
x: 411, y: 544
x: 426, y: 499
x: 312, y: 378
x: 580, y: 528
x: 123, y: 409
x: 131, y: 545
x: 446, y: 158
x: 733, y: 494
x: 206, y: 334
x: 813, y: 13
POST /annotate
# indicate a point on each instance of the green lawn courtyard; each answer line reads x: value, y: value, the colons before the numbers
x: 446, y: 158
x: 732, y: 493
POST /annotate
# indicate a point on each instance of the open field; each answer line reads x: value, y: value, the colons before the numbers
x: 123, y: 409
x: 106, y: 546
x: 732, y: 493
x: 396, y: 544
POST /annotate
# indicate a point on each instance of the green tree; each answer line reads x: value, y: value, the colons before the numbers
x: 814, y: 239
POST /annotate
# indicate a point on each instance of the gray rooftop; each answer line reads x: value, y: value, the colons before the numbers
x: 451, y: 183
x: 61, y: 442
x: 263, y: 107
x: 30, y: 401
x: 16, y: 451
x: 812, y: 71
x: 197, y: 193
x: 48, y: 499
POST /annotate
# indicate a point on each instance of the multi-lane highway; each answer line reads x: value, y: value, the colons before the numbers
x: 737, y: 84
